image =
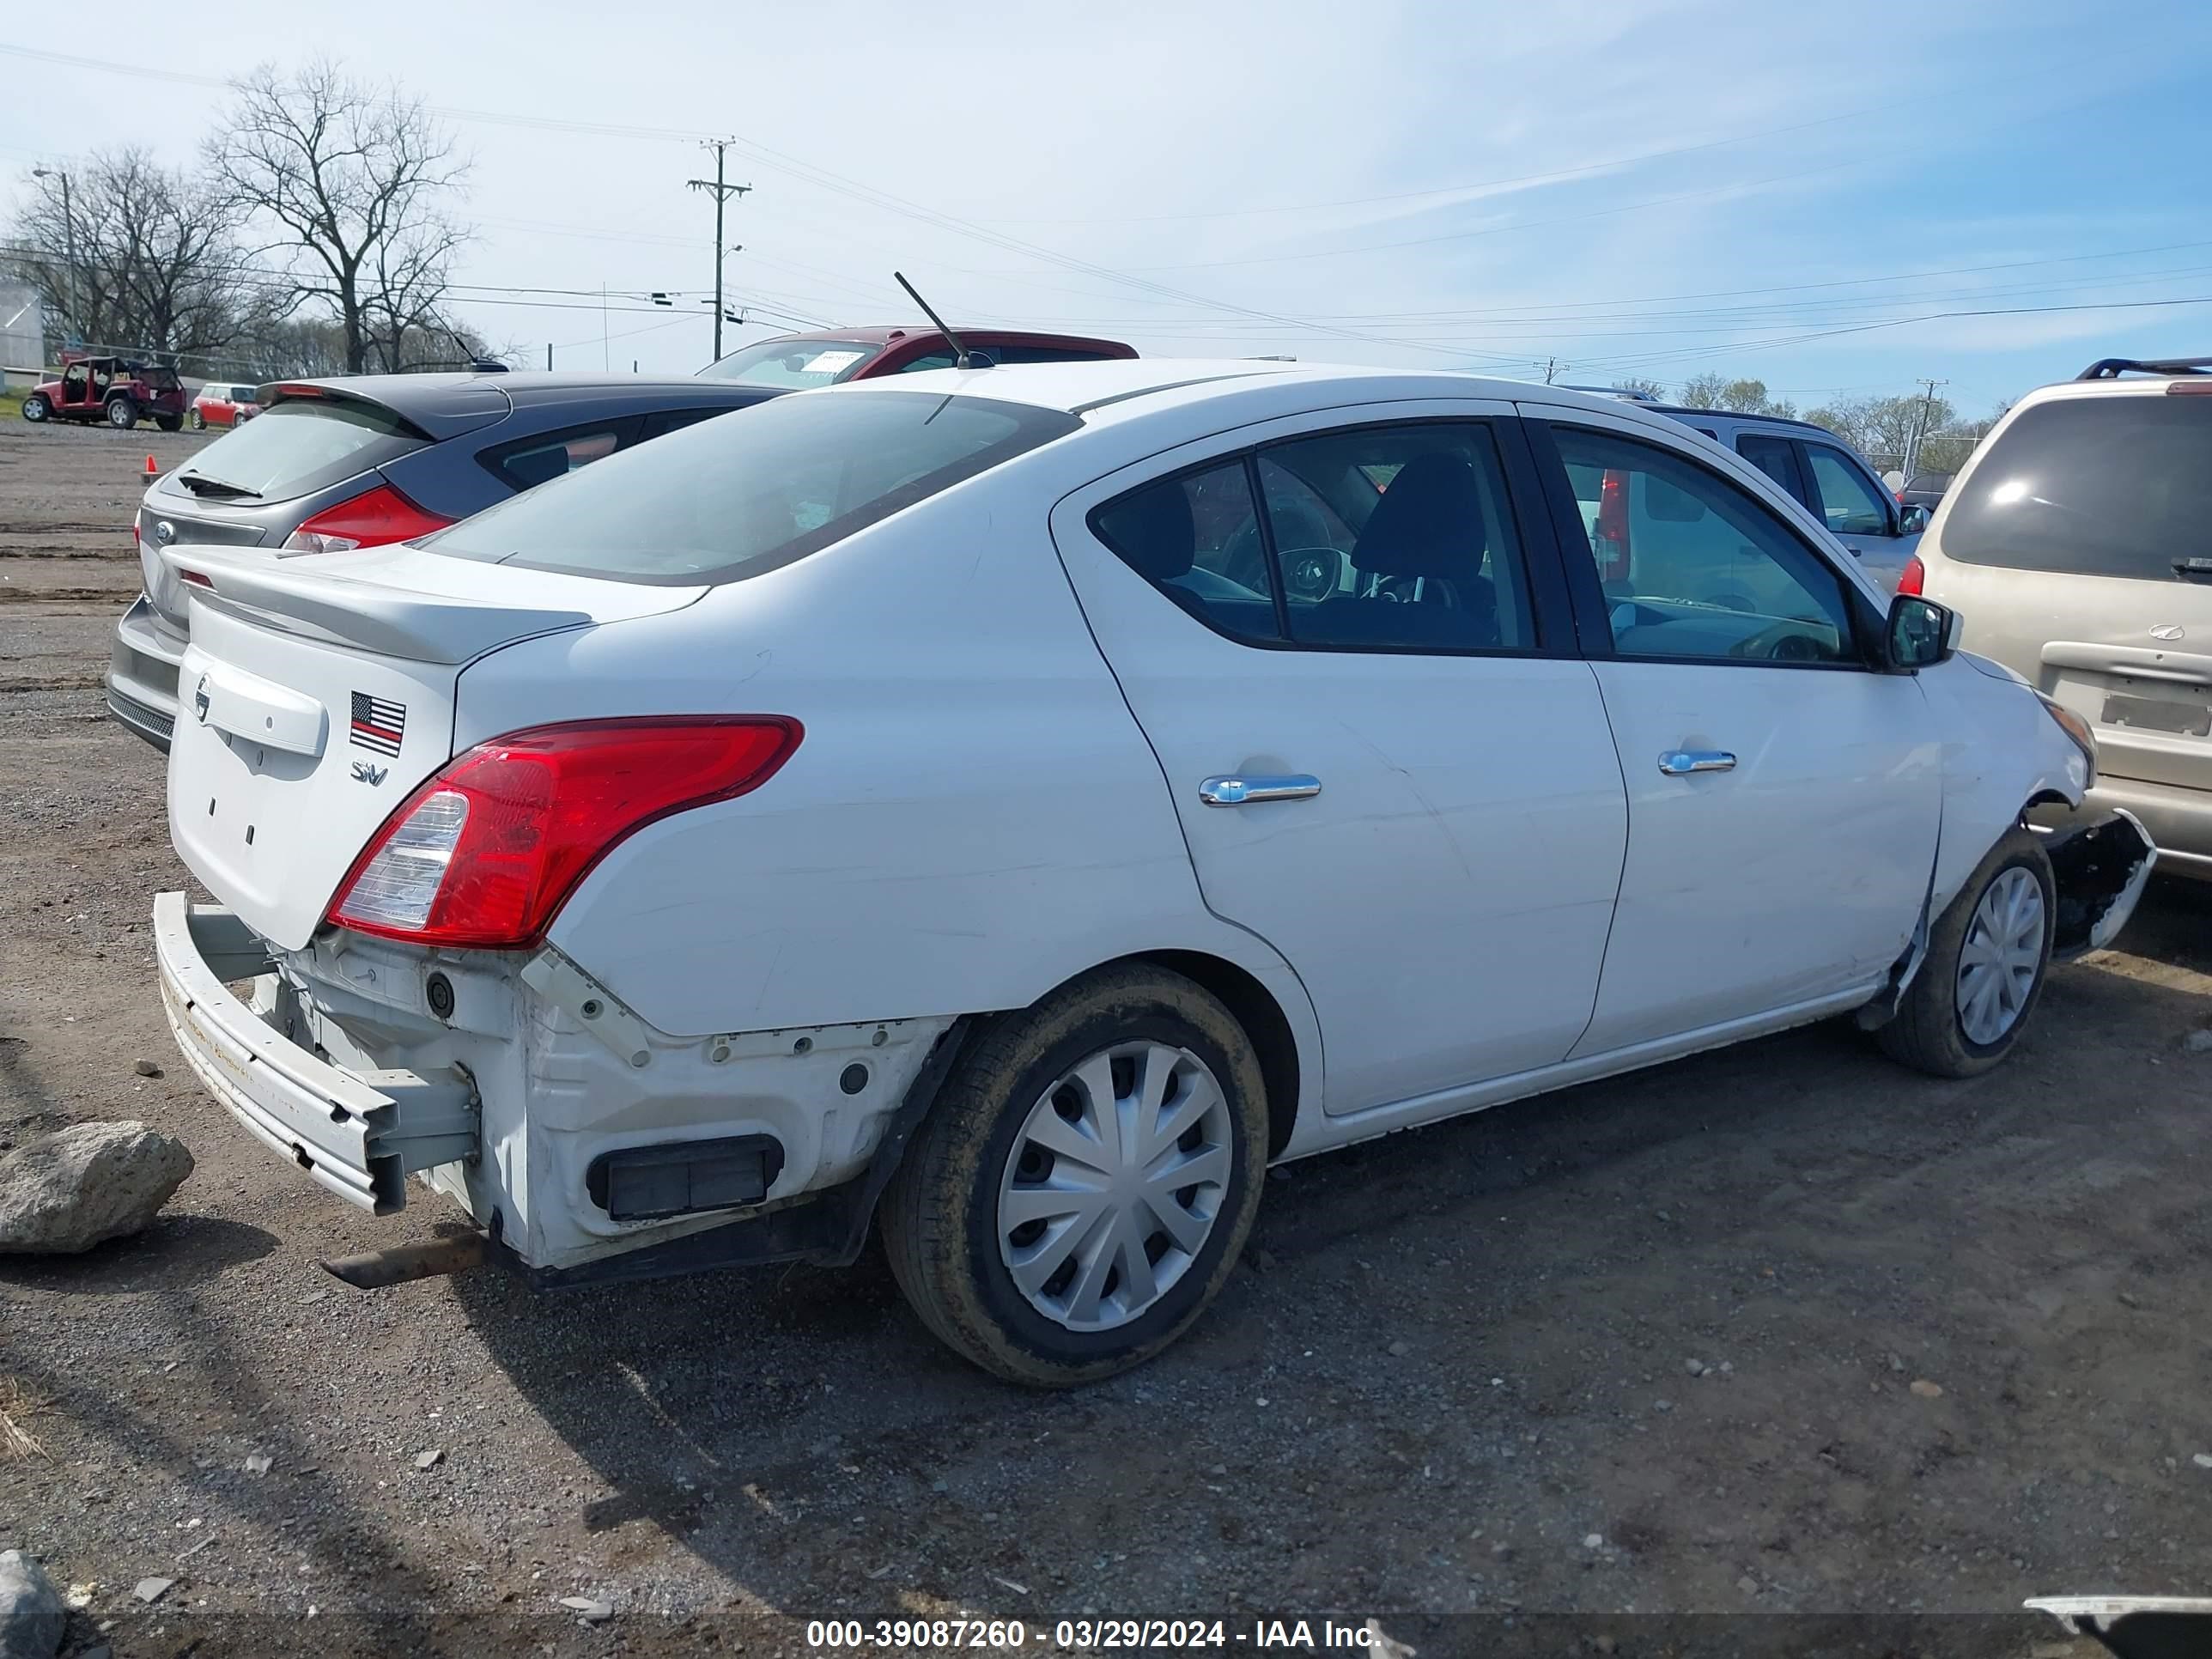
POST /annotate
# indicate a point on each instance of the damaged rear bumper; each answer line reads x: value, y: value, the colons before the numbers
x: 2101, y: 863
x: 358, y: 1134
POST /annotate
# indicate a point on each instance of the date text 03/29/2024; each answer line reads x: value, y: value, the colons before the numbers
x: 1093, y: 1634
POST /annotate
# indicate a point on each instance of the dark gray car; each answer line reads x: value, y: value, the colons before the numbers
x: 338, y: 464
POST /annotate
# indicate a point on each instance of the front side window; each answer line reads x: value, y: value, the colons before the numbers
x: 1386, y: 537
x: 1691, y: 566
x: 1848, y: 502
x: 755, y: 488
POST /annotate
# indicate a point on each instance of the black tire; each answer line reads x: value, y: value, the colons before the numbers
x: 1929, y: 1033
x: 169, y: 423
x: 121, y: 413
x: 36, y: 408
x: 940, y: 1211
x: 199, y: 421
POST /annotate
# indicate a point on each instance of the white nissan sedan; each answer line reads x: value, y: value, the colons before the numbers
x: 1014, y: 807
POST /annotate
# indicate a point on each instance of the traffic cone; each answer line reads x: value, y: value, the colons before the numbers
x: 152, y: 471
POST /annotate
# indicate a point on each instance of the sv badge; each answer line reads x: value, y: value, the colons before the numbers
x: 364, y: 773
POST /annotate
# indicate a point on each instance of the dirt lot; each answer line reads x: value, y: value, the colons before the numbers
x: 1650, y: 1347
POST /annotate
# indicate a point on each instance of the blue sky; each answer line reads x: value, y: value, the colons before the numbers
x: 1629, y: 187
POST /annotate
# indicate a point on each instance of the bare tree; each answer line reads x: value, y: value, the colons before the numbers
x: 134, y: 254
x: 1637, y: 383
x: 1883, y: 430
x: 1737, y: 397
x: 351, y: 182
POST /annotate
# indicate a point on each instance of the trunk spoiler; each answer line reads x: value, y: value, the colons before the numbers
x: 390, y: 621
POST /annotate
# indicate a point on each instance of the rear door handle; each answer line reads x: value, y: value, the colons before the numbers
x: 1247, y: 792
x: 1681, y: 762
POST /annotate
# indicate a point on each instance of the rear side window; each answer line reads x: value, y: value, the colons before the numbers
x: 756, y: 488
x: 534, y: 461
x: 1772, y: 457
x: 303, y: 444
x: 2110, y: 486
x: 1375, y: 539
x: 1196, y: 537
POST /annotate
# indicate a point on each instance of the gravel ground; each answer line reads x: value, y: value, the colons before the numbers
x: 1777, y: 1330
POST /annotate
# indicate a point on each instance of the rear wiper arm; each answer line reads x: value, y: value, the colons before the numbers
x: 200, y: 484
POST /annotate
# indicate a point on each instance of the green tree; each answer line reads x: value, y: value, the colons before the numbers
x: 1736, y: 396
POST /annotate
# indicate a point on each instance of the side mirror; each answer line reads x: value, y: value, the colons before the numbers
x: 1920, y: 633
x: 1912, y: 520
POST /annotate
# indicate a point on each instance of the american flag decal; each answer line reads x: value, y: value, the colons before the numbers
x: 379, y: 723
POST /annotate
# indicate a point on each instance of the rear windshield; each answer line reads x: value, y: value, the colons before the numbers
x: 794, y: 362
x: 755, y: 488
x: 2113, y: 486
x: 298, y: 446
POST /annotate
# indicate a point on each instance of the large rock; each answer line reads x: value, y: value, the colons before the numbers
x: 31, y: 1614
x: 67, y: 1192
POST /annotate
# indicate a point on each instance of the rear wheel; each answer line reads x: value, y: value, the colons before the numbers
x: 36, y: 408
x: 1081, y: 1188
x: 121, y: 413
x: 1987, y: 958
x: 169, y: 422
x: 199, y: 421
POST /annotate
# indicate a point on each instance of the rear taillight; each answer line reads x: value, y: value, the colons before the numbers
x: 1915, y: 577
x: 381, y: 515
x: 1612, y: 549
x: 484, y: 854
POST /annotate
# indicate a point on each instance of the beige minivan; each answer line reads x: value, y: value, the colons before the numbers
x: 2077, y: 545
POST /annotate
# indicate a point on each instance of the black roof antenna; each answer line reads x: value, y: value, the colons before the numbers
x: 961, y: 359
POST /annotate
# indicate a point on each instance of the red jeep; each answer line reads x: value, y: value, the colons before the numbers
x: 111, y: 389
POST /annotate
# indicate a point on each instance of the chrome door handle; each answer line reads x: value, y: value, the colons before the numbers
x: 1681, y: 762
x: 1247, y: 792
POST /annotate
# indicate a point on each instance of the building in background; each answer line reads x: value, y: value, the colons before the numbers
x: 22, y: 333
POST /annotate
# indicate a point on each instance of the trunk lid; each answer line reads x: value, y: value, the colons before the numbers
x: 317, y: 692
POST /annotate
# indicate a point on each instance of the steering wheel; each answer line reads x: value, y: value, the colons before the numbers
x: 1400, y: 590
x: 1794, y: 648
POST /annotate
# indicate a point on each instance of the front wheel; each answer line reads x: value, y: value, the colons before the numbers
x: 1081, y: 1187
x: 36, y: 408
x: 1987, y: 958
x: 122, y: 414
x: 199, y: 421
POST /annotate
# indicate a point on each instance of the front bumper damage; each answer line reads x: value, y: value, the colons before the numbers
x: 2101, y: 865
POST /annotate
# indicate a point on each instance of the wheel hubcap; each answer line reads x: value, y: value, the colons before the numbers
x: 2003, y: 953
x: 1113, y: 1184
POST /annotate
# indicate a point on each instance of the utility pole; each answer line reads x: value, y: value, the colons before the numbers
x: 1920, y: 431
x: 722, y: 193
x: 69, y: 242
x: 1551, y: 367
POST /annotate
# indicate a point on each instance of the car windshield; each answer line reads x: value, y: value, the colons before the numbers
x: 794, y: 362
x: 753, y: 490
x: 301, y: 444
x: 2098, y: 486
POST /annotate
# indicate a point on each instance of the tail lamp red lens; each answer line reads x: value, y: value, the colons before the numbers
x: 1915, y: 577
x: 485, y: 854
x: 1612, y: 535
x: 369, y: 519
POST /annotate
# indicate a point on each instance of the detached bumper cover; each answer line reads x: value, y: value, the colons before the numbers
x: 2102, y: 864
x: 358, y: 1134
